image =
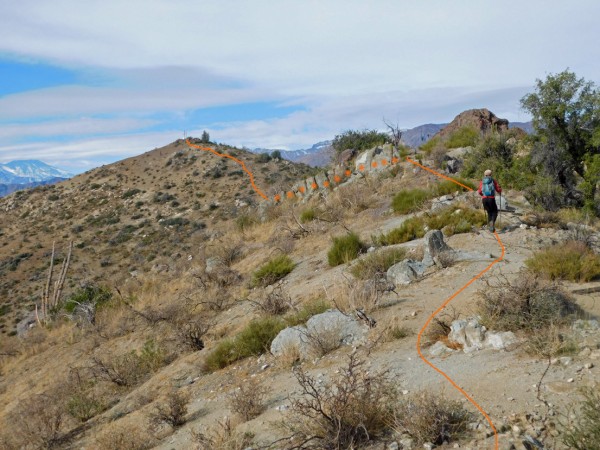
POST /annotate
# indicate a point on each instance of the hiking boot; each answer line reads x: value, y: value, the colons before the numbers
x: 492, y: 228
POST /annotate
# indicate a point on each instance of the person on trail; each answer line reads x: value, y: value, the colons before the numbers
x: 487, y: 190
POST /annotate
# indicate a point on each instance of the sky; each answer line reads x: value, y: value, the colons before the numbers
x: 86, y: 83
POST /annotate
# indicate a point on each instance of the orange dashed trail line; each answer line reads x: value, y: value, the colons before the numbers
x: 240, y: 162
x: 448, y: 300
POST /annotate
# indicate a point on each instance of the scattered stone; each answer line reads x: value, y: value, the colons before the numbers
x: 588, y: 365
x: 595, y: 354
x: 439, y: 349
x: 407, y: 443
x: 502, y: 340
x: 570, y: 380
x: 523, y: 226
x: 586, y: 352
x: 560, y: 387
x: 393, y: 446
x: 586, y: 326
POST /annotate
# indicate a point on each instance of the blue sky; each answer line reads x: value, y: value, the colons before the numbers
x: 87, y: 83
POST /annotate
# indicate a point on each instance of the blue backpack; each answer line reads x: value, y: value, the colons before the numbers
x: 487, y: 187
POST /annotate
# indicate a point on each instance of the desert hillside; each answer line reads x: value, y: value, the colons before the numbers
x: 196, y: 314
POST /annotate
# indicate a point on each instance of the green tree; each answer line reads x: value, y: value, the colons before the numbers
x: 205, y: 137
x: 276, y: 154
x: 566, y: 118
x: 359, y: 140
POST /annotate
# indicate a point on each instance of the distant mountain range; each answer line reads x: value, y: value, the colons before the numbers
x: 23, y: 174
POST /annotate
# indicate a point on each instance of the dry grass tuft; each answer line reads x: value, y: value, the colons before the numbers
x: 221, y: 436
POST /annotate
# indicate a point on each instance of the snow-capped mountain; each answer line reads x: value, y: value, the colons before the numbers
x: 29, y: 171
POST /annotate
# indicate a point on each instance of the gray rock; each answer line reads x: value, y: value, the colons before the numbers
x: 330, y: 329
x: 439, y: 349
x: 27, y: 323
x: 468, y: 333
x: 500, y: 340
x: 589, y: 326
x: 453, y: 165
x: 405, y: 272
x: 433, y: 245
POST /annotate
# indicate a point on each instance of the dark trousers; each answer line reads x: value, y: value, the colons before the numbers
x: 489, y: 204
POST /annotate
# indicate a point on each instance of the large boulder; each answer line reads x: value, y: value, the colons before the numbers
x: 405, y: 272
x: 323, y: 332
x: 471, y: 336
x: 433, y: 245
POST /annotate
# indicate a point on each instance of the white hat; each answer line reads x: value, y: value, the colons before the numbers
x: 487, y: 173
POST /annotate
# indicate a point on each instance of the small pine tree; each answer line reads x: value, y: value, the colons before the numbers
x: 205, y: 137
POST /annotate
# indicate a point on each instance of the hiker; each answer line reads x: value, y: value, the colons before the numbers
x: 487, y: 190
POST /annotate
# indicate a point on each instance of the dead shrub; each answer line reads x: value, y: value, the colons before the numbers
x: 543, y: 219
x: 430, y: 418
x: 221, y: 436
x: 352, y: 198
x: 248, y: 399
x: 550, y: 341
x: 584, y: 434
x: 130, y: 368
x: 191, y: 333
x: 349, y: 411
x: 526, y: 303
x: 173, y: 411
x: 276, y: 302
x: 229, y: 252
x: 39, y: 421
x: 571, y: 260
x: 124, y: 436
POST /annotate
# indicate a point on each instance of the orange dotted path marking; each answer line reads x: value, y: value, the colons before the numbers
x: 448, y: 300
x: 240, y: 162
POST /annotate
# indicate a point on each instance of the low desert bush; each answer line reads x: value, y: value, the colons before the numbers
x: 456, y: 219
x: 309, y: 309
x: 172, y: 411
x: 571, y: 261
x: 585, y: 433
x: 409, y: 200
x: 466, y: 136
x: 248, y: 399
x: 447, y: 187
x: 354, y: 408
x: 221, y: 436
x: 344, y: 249
x: 38, y: 421
x: 126, y: 436
x: 526, y: 303
x: 275, y: 303
x: 412, y: 228
x: 130, y: 368
x: 430, y: 418
x: 272, y: 271
x: 308, y: 215
x: 377, y: 263
x: 254, y: 339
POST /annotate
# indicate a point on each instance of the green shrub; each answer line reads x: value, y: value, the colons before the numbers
x: 571, y: 261
x: 245, y: 221
x: 584, y: 434
x: 84, y: 405
x: 130, y: 193
x: 377, y: 263
x: 463, y: 137
x: 456, y: 219
x: 91, y: 294
x: 409, y: 200
x: 358, y: 140
x: 428, y: 146
x: 254, y: 339
x: 272, y: 271
x: 449, y: 187
x: 344, y: 249
x: 308, y: 215
x: 308, y: 310
x: 411, y: 228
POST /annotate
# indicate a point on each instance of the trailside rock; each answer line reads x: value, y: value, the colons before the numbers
x: 433, y: 245
x: 326, y: 331
x: 468, y: 333
x: 405, y: 272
